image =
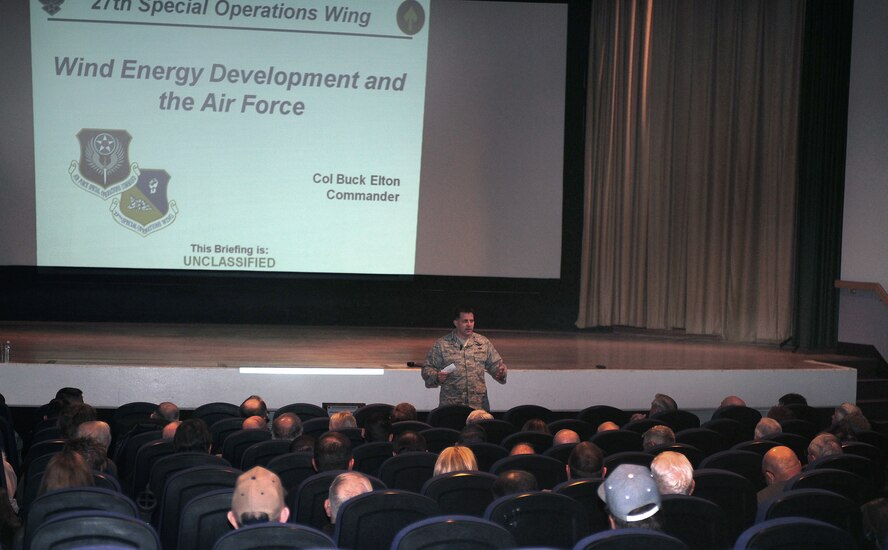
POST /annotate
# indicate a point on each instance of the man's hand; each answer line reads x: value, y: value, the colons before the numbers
x: 501, y: 372
x: 442, y: 376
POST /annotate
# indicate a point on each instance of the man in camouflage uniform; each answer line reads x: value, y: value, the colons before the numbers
x: 471, y: 354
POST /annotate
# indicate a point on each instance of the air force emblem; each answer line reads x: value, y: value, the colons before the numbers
x: 144, y: 207
x: 104, y: 168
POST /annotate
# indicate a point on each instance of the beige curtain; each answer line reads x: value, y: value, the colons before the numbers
x: 691, y: 166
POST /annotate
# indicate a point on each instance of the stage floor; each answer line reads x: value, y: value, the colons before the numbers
x: 186, y: 345
x: 193, y: 364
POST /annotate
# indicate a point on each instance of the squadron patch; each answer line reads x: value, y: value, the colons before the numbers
x: 144, y: 208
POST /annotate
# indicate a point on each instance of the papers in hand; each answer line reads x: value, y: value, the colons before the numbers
x: 448, y: 369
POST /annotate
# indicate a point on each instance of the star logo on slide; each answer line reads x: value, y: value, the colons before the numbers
x: 104, y: 169
x: 144, y: 208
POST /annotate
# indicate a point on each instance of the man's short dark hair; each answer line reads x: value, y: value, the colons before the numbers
x: 303, y: 443
x: 403, y: 411
x: 792, y: 399
x: 409, y: 441
x: 193, y: 435
x: 333, y: 451
x: 585, y: 460
x: 472, y: 433
x: 377, y: 428
x: 73, y: 416
x: 514, y: 481
x: 70, y: 396
x: 457, y: 311
x: 253, y: 518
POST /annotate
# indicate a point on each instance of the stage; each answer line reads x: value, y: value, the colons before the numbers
x: 116, y: 363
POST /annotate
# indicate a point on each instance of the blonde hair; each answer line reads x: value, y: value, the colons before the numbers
x: 341, y: 420
x: 455, y: 459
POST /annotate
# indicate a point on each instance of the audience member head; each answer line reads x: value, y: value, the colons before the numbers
x: 662, y: 403
x: 477, y: 416
x: 472, y: 433
x: 848, y: 427
x: 169, y: 431
x: 303, y: 444
x: 403, y: 411
x: 780, y: 413
x: 585, y: 460
x: 409, y: 442
x: 345, y: 486
x: 95, y: 455
x: 97, y: 431
x: 564, y: 437
x: 631, y: 496
x: 254, y: 406
x: 69, y: 396
x: 66, y: 469
x: 522, y: 448
x: 607, y: 426
x: 258, y: 498
x: 254, y: 423
x: 656, y: 436
x: 287, y: 426
x: 377, y: 428
x: 843, y: 410
x: 875, y: 523
x: 779, y: 464
x: 822, y: 445
x: 512, y: 482
x: 333, y: 451
x: 342, y: 420
x: 673, y: 473
x: 792, y: 399
x: 73, y: 416
x: 166, y: 411
x: 455, y: 459
x: 767, y: 426
x: 732, y: 401
x: 535, y: 425
x: 192, y: 435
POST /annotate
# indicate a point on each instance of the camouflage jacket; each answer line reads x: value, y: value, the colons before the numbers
x: 465, y: 385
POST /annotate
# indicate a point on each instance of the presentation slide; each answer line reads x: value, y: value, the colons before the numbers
x: 383, y: 137
x: 163, y: 140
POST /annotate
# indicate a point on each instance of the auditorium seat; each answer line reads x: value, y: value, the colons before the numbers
x: 518, y: 415
x: 487, y: 453
x: 305, y: 411
x: 222, y: 428
x: 538, y: 440
x: 617, y: 441
x: 642, y: 425
x: 181, y: 487
x: 794, y: 533
x: 408, y: 471
x: 850, y: 486
x: 370, y: 456
x: 316, y: 427
x: 127, y: 415
x: 449, y: 416
x: 145, y: 458
x: 211, y: 412
x: 698, y: 522
x: 370, y: 521
x: 438, y: 439
x: 238, y: 442
x: 496, y: 430
x: 797, y: 443
x: 453, y: 531
x: 803, y: 428
x: 745, y: 463
x: 759, y: 447
x: 292, y: 468
x: 465, y: 493
x: 560, y: 453
x: 678, y: 419
x: 548, y: 471
x: 583, y: 429
x: 707, y: 441
x: 94, y: 529
x: 75, y: 499
x: 733, y: 493
x: 540, y: 519
x: 746, y: 416
x: 820, y: 505
x: 409, y: 426
x: 260, y: 454
x: 596, y: 414
x: 307, y: 501
x: 732, y: 431
x: 361, y: 414
x: 264, y: 536
x: 206, y: 516
x: 628, y: 457
x: 585, y: 491
x: 692, y: 453
x: 630, y: 538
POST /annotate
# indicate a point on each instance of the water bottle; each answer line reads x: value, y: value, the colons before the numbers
x: 6, y: 349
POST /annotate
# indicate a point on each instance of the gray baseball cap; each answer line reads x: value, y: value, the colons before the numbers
x: 630, y: 493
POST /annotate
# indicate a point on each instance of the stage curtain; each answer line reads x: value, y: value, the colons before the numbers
x: 691, y: 148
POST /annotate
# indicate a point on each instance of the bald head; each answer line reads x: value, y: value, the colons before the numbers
x: 345, y: 486
x: 732, y: 401
x: 169, y: 431
x: 607, y: 427
x: 477, y: 416
x: 166, y: 411
x: 563, y: 437
x: 254, y: 423
x: 286, y: 426
x: 522, y: 449
x: 780, y: 464
x: 97, y: 431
